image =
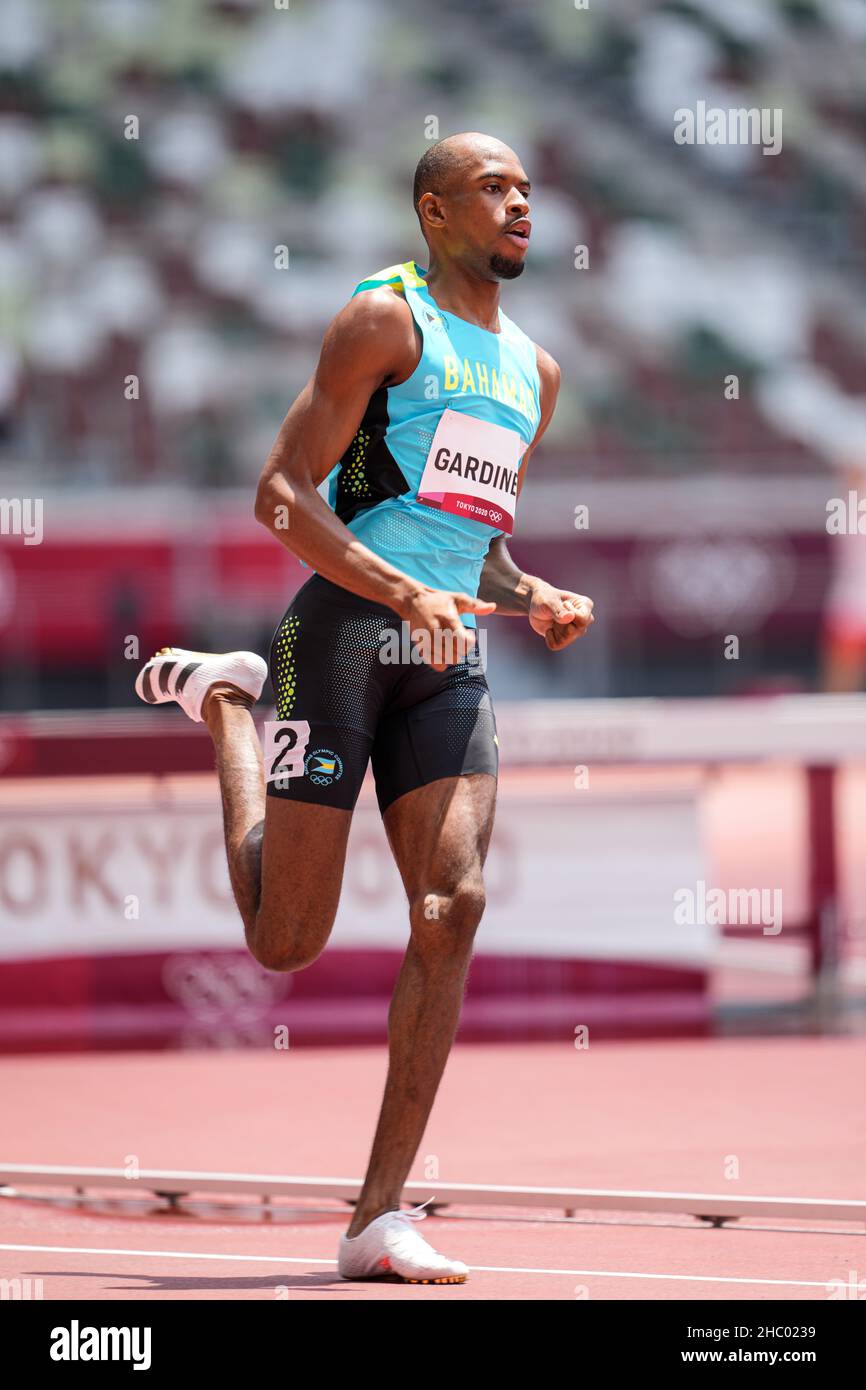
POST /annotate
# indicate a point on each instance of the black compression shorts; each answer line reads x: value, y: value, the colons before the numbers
x: 328, y: 673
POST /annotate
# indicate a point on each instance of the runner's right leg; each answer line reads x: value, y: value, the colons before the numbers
x: 285, y: 857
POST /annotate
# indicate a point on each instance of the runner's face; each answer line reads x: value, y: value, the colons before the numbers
x: 489, y: 215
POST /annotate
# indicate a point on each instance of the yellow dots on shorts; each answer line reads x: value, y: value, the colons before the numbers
x: 285, y: 675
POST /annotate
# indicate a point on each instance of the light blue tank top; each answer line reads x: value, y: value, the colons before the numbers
x: 466, y: 415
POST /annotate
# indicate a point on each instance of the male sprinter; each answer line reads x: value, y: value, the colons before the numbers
x: 423, y: 409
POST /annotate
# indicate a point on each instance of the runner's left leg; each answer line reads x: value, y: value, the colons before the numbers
x: 242, y: 788
x: 285, y: 858
x: 439, y: 834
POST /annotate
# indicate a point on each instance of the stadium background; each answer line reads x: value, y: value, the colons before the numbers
x: 157, y: 258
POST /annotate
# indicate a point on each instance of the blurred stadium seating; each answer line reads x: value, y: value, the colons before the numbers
x: 155, y: 257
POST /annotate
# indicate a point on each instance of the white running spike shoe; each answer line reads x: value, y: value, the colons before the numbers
x: 176, y: 674
x: 391, y: 1245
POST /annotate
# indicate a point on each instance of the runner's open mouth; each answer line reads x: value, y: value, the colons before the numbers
x: 519, y: 232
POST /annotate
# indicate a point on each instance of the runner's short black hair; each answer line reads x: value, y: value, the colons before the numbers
x: 433, y: 171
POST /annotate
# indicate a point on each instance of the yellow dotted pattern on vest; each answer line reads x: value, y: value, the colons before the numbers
x: 353, y: 468
x: 284, y: 666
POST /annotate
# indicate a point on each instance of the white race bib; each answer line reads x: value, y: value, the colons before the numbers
x: 471, y: 470
x: 285, y: 745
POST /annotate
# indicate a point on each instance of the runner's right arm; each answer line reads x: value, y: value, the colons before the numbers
x: 370, y: 343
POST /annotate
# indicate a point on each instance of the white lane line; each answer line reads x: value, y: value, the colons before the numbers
x: 167, y: 1254
x: 479, y: 1269
x: 628, y: 1274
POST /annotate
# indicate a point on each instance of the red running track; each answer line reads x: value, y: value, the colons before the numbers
x: 675, y: 1116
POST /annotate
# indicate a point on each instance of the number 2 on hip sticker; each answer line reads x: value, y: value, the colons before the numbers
x: 285, y: 745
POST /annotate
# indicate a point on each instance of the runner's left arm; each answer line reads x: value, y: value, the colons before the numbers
x: 557, y: 615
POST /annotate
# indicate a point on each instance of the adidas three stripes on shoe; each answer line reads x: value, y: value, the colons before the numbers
x: 185, y: 677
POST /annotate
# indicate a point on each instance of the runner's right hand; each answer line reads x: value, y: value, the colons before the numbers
x: 433, y: 617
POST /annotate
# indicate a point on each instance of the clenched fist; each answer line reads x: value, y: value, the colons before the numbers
x: 559, y: 616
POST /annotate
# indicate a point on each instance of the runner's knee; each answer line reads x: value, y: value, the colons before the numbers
x: 445, y: 921
x: 284, y: 945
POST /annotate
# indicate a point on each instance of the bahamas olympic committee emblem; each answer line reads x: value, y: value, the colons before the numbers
x: 323, y: 767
